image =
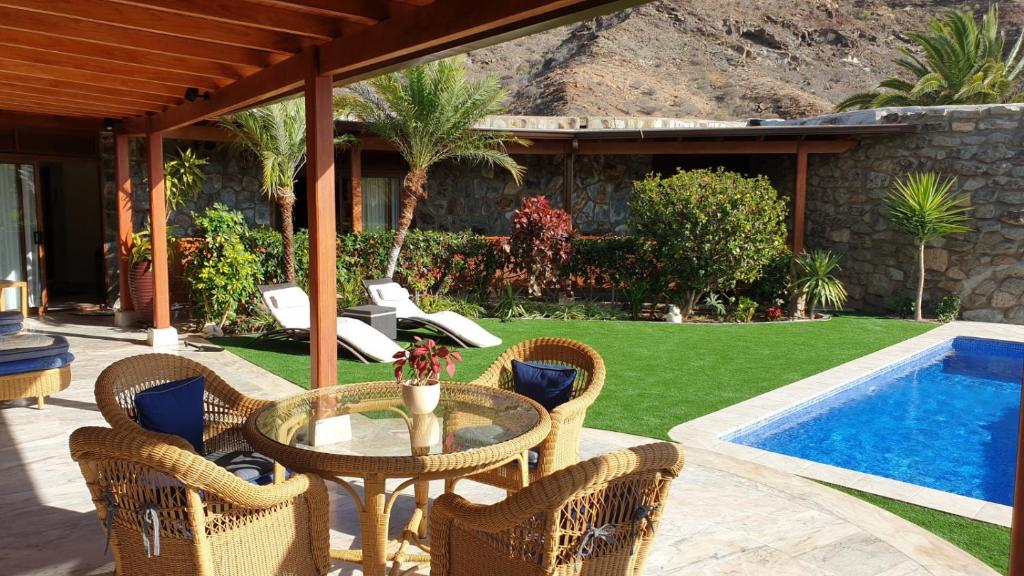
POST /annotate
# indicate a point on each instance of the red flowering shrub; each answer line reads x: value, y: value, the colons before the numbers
x: 541, y: 244
x: 774, y: 313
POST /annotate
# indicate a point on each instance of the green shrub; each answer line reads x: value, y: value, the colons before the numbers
x: 817, y: 282
x: 947, y: 308
x: 903, y: 306
x: 743, y: 309
x: 265, y: 243
x: 626, y: 264
x: 222, y: 273
x: 715, y: 305
x: 438, y: 303
x: 775, y: 286
x: 511, y: 305
x: 710, y: 229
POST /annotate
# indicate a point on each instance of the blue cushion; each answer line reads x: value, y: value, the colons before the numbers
x: 10, y: 322
x: 549, y: 385
x: 250, y: 466
x: 174, y: 408
x: 35, y: 364
x: 6, y: 329
x: 27, y: 346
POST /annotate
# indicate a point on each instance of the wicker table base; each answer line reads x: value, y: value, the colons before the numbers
x: 39, y: 384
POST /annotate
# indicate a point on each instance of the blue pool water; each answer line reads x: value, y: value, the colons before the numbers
x: 946, y: 419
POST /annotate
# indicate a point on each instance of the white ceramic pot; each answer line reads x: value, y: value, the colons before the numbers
x: 421, y: 399
x: 425, y: 430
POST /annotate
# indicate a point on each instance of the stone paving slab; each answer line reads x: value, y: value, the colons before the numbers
x: 725, y: 515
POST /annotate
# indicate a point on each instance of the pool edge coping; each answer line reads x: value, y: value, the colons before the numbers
x: 708, y: 432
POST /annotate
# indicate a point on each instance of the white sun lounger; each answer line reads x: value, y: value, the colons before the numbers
x: 385, y: 292
x: 290, y: 307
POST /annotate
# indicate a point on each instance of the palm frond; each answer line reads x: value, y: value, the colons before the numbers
x: 276, y: 136
x: 924, y: 206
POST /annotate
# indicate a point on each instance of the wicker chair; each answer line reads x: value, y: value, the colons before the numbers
x: 169, y: 511
x: 596, y: 518
x: 561, y: 447
x: 225, y: 409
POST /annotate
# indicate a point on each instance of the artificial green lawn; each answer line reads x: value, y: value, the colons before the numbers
x: 987, y: 542
x: 659, y: 374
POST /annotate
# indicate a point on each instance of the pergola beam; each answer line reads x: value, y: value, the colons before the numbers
x: 14, y: 95
x: 56, y: 26
x: 48, y: 94
x: 432, y: 31
x: 169, y: 23
x: 247, y: 14
x: 357, y: 11
x: 87, y: 77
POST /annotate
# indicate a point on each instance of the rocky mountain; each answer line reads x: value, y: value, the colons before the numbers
x: 715, y: 59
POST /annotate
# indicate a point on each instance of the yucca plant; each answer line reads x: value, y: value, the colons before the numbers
x: 276, y: 136
x: 924, y: 207
x: 184, y: 177
x: 961, y: 62
x: 427, y: 113
x: 816, y: 280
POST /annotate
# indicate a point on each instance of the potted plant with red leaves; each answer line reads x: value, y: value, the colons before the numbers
x: 418, y: 370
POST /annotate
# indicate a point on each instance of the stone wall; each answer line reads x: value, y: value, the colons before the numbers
x: 483, y: 199
x: 983, y: 147
x: 231, y: 179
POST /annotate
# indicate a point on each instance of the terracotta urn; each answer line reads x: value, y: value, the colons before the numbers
x: 140, y: 283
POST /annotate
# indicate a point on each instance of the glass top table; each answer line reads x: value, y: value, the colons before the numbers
x: 365, y: 431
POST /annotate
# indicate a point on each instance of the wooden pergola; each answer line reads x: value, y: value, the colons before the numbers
x: 149, y: 67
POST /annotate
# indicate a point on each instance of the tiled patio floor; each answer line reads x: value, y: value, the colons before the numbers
x: 726, y: 516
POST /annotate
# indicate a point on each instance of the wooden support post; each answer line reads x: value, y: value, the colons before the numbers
x: 123, y: 177
x: 323, y: 343
x: 356, y: 185
x: 1017, y: 519
x: 800, y: 199
x: 158, y: 232
x: 568, y: 182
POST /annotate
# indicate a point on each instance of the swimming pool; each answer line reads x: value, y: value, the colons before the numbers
x: 945, y: 418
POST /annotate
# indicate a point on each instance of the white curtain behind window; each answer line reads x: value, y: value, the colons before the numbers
x: 380, y: 203
x: 10, y: 233
x: 26, y: 172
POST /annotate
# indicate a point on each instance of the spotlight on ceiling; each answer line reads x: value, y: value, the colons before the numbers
x: 192, y: 94
x: 108, y: 124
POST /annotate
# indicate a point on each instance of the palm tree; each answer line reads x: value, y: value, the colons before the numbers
x: 427, y: 113
x: 925, y: 208
x: 816, y: 279
x: 276, y: 135
x: 963, y: 63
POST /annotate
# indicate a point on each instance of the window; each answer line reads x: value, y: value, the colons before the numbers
x: 380, y: 203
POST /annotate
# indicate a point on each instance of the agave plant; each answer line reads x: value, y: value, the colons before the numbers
x: 924, y: 207
x: 427, y: 113
x: 962, y: 62
x: 816, y: 280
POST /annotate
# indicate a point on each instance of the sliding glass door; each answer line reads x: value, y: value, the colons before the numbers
x: 380, y: 202
x: 20, y: 257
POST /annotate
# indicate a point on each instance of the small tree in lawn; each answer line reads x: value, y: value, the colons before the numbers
x: 541, y: 244
x: 427, y: 113
x: 709, y: 229
x: 924, y: 207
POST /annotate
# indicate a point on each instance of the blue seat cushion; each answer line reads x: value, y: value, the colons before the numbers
x: 252, y: 467
x: 10, y: 322
x: 35, y: 364
x: 27, y: 346
x: 174, y: 408
x: 549, y: 385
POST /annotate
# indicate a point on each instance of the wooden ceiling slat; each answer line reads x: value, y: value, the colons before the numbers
x: 358, y: 11
x: 40, y: 83
x: 96, y: 111
x: 112, y: 110
x: 58, y: 73
x: 19, y: 119
x: 86, y: 64
x: 128, y: 55
x: 248, y: 59
x: 45, y: 110
x: 169, y: 23
x: 248, y: 14
x: 48, y: 94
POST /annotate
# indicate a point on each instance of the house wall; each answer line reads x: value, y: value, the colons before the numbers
x: 982, y: 147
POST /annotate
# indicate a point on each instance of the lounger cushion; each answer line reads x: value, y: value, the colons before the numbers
x: 174, y: 408
x: 29, y: 346
x: 252, y: 467
x: 10, y: 322
x: 549, y: 385
x: 392, y: 292
x: 35, y: 364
